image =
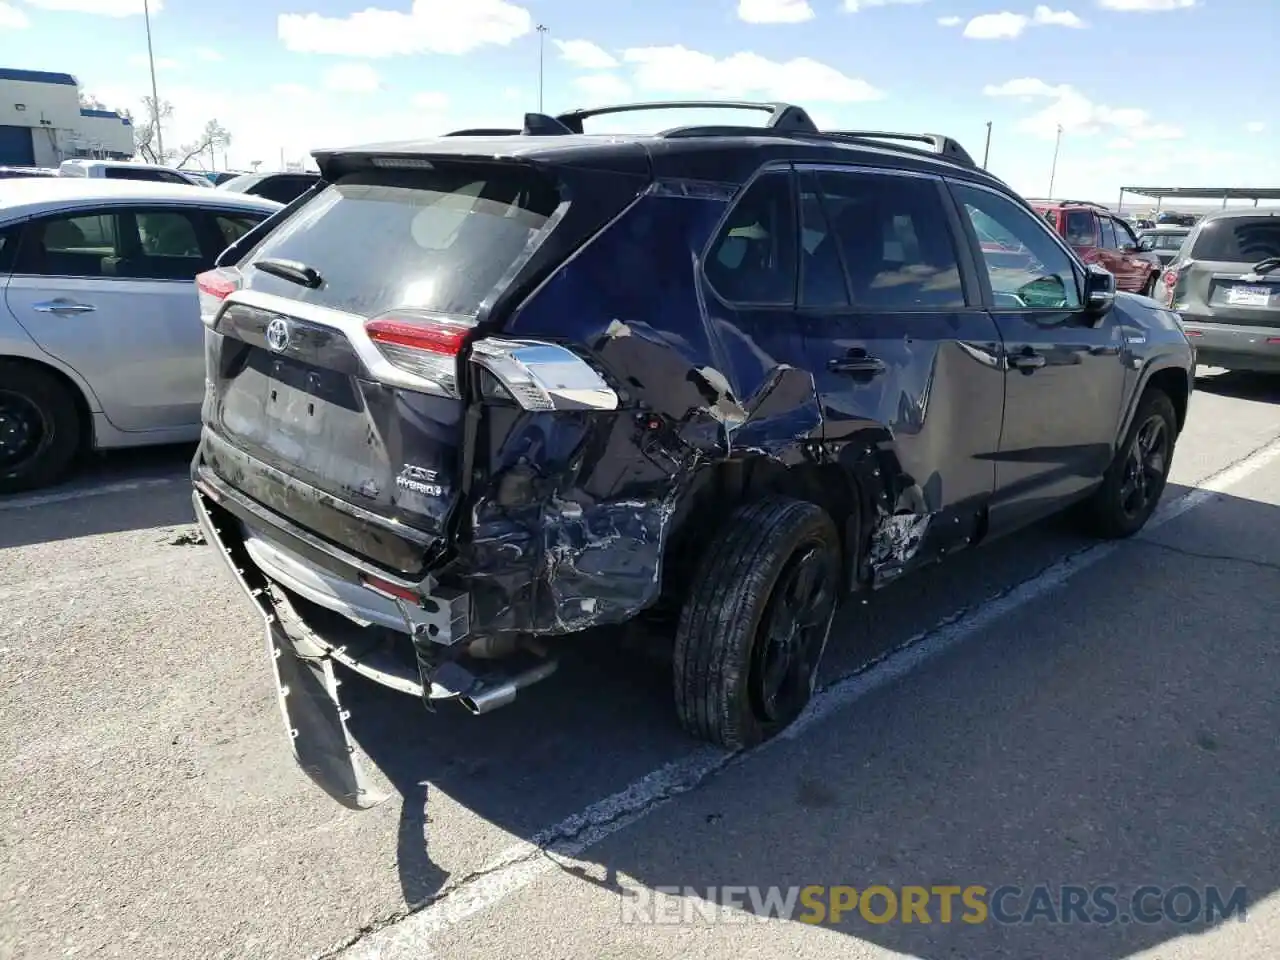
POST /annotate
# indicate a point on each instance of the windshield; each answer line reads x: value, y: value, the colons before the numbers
x: 1238, y: 239
x: 427, y: 240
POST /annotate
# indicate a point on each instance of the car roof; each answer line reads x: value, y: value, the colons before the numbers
x: 25, y: 196
x: 1241, y: 212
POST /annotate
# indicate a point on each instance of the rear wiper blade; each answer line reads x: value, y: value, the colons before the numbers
x: 1265, y: 265
x: 291, y: 270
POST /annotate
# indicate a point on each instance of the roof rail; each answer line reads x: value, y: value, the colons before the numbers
x: 1074, y: 203
x: 937, y: 143
x: 782, y: 116
x: 485, y: 132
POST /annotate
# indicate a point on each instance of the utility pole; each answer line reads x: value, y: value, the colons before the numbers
x: 986, y: 151
x: 542, y: 36
x: 155, y: 97
x: 1053, y: 171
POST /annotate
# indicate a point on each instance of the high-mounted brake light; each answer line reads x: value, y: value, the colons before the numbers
x: 213, y: 287
x: 426, y: 347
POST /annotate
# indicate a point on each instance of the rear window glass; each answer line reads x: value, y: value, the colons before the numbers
x: 425, y: 239
x: 1238, y: 239
x: 1163, y: 241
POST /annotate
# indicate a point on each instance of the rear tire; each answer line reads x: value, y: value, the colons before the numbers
x: 40, y: 428
x: 756, y: 622
x: 1133, y: 484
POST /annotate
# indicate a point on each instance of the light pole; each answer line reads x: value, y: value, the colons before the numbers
x: 155, y: 97
x: 542, y: 35
x: 1053, y: 170
x: 986, y: 151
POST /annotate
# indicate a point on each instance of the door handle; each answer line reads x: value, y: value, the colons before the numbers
x: 64, y: 308
x: 1027, y: 362
x: 856, y: 362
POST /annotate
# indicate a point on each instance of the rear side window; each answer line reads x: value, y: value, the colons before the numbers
x: 439, y: 240
x: 889, y: 234
x: 1238, y: 239
x: 753, y: 258
x: 77, y: 246
x: 125, y: 173
x: 283, y: 189
x: 1080, y: 230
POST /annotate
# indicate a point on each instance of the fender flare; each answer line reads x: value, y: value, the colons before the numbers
x: 1150, y: 369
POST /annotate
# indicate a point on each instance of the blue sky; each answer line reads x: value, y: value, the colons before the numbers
x: 1137, y: 100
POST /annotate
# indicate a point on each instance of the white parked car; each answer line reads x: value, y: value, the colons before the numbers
x: 129, y: 170
x: 101, y: 343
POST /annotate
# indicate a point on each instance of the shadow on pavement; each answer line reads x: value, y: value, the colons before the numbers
x: 111, y: 493
x: 1242, y: 385
x: 1129, y: 741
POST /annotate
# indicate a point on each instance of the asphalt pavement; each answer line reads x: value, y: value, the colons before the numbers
x: 1044, y: 711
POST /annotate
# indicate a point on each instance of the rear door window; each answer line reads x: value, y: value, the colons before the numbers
x: 439, y: 240
x: 231, y: 227
x: 283, y: 189
x: 1238, y: 239
x: 892, y: 237
x: 168, y: 246
x: 1108, y: 239
x: 1124, y: 236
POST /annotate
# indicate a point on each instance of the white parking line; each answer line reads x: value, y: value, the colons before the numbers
x: 522, y: 863
x: 80, y: 493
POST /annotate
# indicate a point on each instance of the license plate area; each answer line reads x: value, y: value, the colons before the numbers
x: 1248, y: 295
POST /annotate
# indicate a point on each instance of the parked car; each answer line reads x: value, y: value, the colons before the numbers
x: 100, y: 338
x: 1170, y: 219
x: 9, y: 173
x: 282, y: 187
x: 1164, y: 242
x: 129, y: 170
x: 1102, y: 238
x: 477, y: 394
x: 1225, y: 282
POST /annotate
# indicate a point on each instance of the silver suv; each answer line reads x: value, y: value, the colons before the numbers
x: 1225, y: 282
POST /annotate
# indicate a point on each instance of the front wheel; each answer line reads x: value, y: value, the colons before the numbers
x: 755, y: 623
x: 1135, y: 481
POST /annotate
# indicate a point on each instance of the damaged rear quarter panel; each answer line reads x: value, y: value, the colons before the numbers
x: 572, y: 512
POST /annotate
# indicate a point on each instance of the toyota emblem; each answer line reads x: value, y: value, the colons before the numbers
x: 278, y: 335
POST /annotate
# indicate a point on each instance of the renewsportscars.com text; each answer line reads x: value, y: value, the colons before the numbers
x: 945, y: 904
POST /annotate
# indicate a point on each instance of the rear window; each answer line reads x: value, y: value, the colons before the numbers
x: 435, y: 240
x: 129, y: 173
x: 1238, y: 239
x: 1162, y: 241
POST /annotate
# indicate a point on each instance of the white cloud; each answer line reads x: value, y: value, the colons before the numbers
x: 801, y: 80
x: 1056, y: 18
x: 208, y: 55
x: 1146, y: 6
x: 950, y: 21
x: 431, y: 100
x: 586, y: 55
x: 603, y: 87
x: 162, y: 63
x: 11, y: 18
x: 853, y: 6
x: 996, y: 26
x: 1007, y: 26
x: 1122, y: 143
x: 1255, y: 126
x: 352, y: 78
x: 1076, y: 113
x: 431, y: 26
x: 103, y: 8
x: 775, y: 11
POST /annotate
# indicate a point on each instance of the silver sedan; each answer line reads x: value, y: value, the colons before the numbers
x: 101, y: 344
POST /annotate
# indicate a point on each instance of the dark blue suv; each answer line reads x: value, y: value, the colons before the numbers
x: 469, y: 395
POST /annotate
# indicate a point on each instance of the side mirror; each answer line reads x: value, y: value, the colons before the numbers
x: 1128, y: 248
x: 1099, y: 290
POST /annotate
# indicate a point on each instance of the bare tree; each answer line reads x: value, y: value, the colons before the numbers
x: 89, y: 102
x: 213, y: 136
x: 144, y: 131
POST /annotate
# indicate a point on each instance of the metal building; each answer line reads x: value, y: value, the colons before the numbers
x: 42, y: 122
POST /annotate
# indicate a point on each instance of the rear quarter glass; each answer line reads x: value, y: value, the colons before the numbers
x: 432, y: 240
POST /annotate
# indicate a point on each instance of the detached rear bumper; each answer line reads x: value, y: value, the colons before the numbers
x: 1234, y: 346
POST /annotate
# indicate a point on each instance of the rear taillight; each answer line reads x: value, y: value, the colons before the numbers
x: 426, y: 347
x: 213, y: 287
x: 1172, y: 280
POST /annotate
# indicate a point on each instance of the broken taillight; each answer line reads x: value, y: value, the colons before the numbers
x: 213, y: 287
x: 1172, y: 278
x: 426, y: 347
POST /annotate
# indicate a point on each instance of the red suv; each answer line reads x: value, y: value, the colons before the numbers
x: 1100, y: 237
